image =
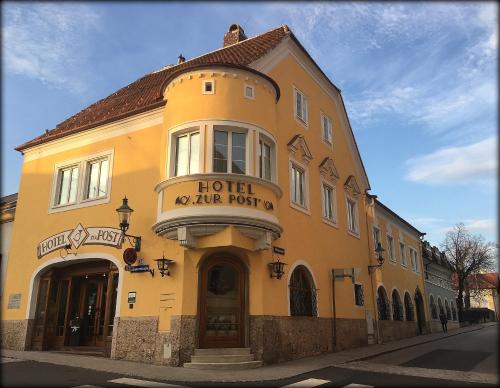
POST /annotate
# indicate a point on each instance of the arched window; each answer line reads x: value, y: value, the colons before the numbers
x: 454, y: 311
x: 440, y: 306
x: 447, y: 307
x: 383, y: 305
x: 434, y: 313
x: 302, y: 292
x: 397, y: 307
x: 408, y: 307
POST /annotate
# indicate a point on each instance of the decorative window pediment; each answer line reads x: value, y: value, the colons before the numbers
x: 298, y: 148
x: 328, y: 170
x: 351, y: 186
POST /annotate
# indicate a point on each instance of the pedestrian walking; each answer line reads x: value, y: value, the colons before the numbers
x: 444, y: 321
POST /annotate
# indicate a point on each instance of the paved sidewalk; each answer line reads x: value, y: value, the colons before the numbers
x: 265, y: 373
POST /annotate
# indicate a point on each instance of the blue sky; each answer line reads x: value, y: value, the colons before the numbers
x: 419, y: 81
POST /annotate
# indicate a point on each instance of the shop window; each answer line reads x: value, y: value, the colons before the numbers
x: 432, y: 303
x: 187, y: 154
x: 302, y: 293
x: 229, y: 152
x: 96, y: 180
x: 300, y: 106
x: 249, y: 92
x: 298, y: 186
x: 326, y: 126
x: 390, y: 248
x: 383, y: 305
x: 67, y: 185
x: 208, y: 87
x: 408, y: 308
x: 265, y: 159
x: 397, y: 307
x: 358, y: 295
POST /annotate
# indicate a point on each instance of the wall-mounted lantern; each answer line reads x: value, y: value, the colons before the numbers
x: 124, y: 214
x: 163, y: 265
x: 277, y: 269
x: 380, y: 258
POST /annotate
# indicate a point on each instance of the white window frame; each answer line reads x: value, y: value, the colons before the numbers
x: 188, y: 132
x: 376, y: 238
x: 58, y: 179
x: 413, y: 259
x: 328, y: 142
x: 267, y: 141
x: 355, y: 232
x: 402, y: 252
x: 86, y: 178
x: 83, y: 163
x: 330, y: 221
x: 230, y: 130
x: 245, y: 86
x: 390, y: 249
x: 303, y: 208
x: 305, y: 110
x: 204, y: 89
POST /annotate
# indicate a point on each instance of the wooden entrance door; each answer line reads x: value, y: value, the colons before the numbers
x: 222, y: 304
x: 93, y: 311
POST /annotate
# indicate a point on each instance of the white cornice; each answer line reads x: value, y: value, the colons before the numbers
x: 288, y: 47
x: 103, y: 132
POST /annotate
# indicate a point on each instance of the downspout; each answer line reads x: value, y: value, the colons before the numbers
x: 334, y: 324
x: 374, y: 291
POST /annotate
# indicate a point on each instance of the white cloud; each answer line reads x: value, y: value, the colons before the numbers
x: 48, y: 42
x: 473, y: 163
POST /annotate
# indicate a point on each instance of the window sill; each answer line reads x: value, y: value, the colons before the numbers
x: 393, y: 262
x: 301, y: 122
x: 300, y: 208
x: 79, y: 205
x: 330, y: 222
x: 353, y: 234
x: 327, y: 143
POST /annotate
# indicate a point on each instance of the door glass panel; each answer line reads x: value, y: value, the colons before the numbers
x: 223, y: 301
x: 61, y: 313
x: 40, y: 308
x: 89, y: 313
x: 112, y: 304
x: 102, y: 308
x: 52, y: 307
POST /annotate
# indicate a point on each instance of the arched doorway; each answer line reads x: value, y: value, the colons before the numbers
x: 222, y: 307
x: 75, y: 306
x: 419, y: 307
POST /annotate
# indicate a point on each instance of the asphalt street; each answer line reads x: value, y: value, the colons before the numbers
x: 450, y: 362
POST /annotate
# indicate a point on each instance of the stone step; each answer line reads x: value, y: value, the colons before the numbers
x: 221, y: 351
x: 218, y: 358
x: 223, y: 365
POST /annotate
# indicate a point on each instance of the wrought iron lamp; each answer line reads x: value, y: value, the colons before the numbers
x: 124, y: 214
x: 380, y: 258
x: 277, y: 269
x: 163, y: 265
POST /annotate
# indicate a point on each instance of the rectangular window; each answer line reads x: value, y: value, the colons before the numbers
x: 403, y: 254
x: 249, y: 92
x: 298, y: 194
x: 413, y: 258
x: 208, y: 87
x: 300, y: 106
x: 358, y: 295
x: 328, y: 202
x: 351, y: 216
x: 187, y: 154
x: 376, y: 237
x: 67, y: 185
x: 390, y: 248
x: 326, y: 124
x: 96, y: 185
x: 264, y: 160
x: 229, y: 152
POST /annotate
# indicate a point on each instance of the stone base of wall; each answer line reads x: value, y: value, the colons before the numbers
x: 15, y: 334
x: 437, y: 328
x: 394, y: 330
x: 138, y: 339
x: 351, y: 333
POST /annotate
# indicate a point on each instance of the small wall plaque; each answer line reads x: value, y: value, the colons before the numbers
x: 14, y: 301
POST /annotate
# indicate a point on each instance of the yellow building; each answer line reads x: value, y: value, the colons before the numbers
x: 233, y: 162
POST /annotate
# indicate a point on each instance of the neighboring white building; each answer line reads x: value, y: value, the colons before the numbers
x: 7, y: 211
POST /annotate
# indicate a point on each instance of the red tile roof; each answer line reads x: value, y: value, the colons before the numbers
x: 146, y: 92
x: 480, y: 281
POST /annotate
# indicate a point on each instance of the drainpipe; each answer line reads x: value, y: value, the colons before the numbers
x: 334, y: 325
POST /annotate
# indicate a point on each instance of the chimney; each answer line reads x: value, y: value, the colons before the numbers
x: 181, y: 59
x: 234, y: 35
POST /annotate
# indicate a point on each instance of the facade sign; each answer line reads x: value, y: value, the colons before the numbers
x: 81, y: 236
x: 279, y: 251
x: 14, y: 301
x: 229, y: 192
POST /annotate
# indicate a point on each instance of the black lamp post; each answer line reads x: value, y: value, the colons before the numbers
x: 163, y: 265
x: 124, y: 214
x: 379, y: 250
x: 277, y: 269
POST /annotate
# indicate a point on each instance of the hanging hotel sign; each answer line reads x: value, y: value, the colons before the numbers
x: 100, y: 235
x: 219, y: 192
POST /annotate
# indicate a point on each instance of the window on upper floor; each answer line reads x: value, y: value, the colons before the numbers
x: 413, y: 258
x: 229, y: 151
x: 187, y: 154
x: 390, y: 248
x: 298, y: 189
x: 208, y: 87
x: 300, y: 106
x: 265, y: 159
x: 249, y: 92
x: 376, y: 237
x: 326, y: 125
x: 328, y: 202
x: 402, y: 249
x: 352, y: 219
x: 82, y: 182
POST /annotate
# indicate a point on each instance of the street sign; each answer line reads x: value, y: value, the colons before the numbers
x: 279, y: 251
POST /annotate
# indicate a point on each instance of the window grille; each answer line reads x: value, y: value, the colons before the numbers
x: 303, y: 294
x: 433, y: 309
x: 359, y: 298
x: 408, y: 308
x: 383, y: 306
x: 397, y: 308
